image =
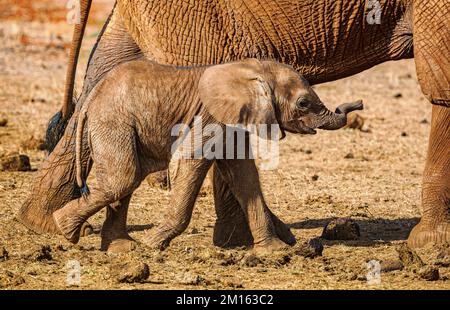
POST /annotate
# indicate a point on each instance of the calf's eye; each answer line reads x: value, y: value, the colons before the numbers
x: 302, y: 103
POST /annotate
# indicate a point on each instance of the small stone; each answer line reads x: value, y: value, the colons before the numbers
x: 307, y: 151
x: 4, y: 255
x: 315, y: 177
x: 194, y: 231
x: 310, y: 248
x: 391, y: 265
x: 341, y: 229
x: 349, y: 156
x: 130, y: 272
x: 251, y: 260
x: 404, y: 134
x: 429, y: 273
x: 3, y: 122
x: 398, y: 95
x: 15, y: 163
x: 424, y: 121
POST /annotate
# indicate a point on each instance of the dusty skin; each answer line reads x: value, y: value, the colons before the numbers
x: 372, y: 175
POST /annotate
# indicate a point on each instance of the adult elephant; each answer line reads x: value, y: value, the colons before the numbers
x: 323, y: 40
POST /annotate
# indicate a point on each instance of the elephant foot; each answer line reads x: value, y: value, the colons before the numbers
x: 69, y: 225
x: 422, y: 235
x: 235, y: 232
x: 158, y: 240
x: 120, y: 246
x: 269, y: 246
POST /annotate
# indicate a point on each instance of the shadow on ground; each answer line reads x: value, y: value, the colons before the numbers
x: 373, y: 231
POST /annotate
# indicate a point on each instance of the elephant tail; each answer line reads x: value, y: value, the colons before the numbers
x: 78, y: 145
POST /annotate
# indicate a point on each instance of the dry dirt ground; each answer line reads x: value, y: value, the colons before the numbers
x: 378, y: 185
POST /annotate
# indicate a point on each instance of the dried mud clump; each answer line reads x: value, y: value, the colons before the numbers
x: 251, y: 260
x: 42, y: 253
x: 429, y: 273
x: 391, y: 265
x: 33, y: 144
x: 309, y: 248
x: 412, y: 261
x: 408, y: 257
x: 15, y: 162
x: 341, y: 229
x: 130, y: 272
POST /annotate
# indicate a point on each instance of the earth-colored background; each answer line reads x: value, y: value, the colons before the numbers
x: 373, y: 177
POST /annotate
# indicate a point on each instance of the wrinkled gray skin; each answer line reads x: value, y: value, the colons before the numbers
x: 130, y: 116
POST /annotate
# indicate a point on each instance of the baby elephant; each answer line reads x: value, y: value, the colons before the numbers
x: 130, y: 116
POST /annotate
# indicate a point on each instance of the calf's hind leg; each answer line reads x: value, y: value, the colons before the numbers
x: 115, y: 237
x: 118, y: 175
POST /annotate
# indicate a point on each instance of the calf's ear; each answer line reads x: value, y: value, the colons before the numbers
x: 238, y: 94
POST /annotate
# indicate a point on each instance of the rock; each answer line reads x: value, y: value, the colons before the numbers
x: 424, y: 121
x: 391, y: 265
x: 194, y: 231
x: 33, y: 144
x: 7, y: 279
x: 429, y: 273
x: 315, y: 177
x: 404, y: 134
x: 408, y: 257
x: 341, y: 229
x: 251, y: 260
x: 398, y: 95
x: 15, y: 163
x: 3, y: 122
x: 4, y: 255
x: 310, y: 248
x: 130, y: 272
x: 354, y: 121
x: 349, y: 156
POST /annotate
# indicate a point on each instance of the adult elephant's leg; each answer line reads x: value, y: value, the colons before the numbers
x: 434, y: 225
x: 231, y: 228
x: 268, y: 232
x: 185, y: 181
x: 431, y: 50
x: 54, y: 184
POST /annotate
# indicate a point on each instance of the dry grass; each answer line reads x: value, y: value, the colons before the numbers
x: 379, y: 187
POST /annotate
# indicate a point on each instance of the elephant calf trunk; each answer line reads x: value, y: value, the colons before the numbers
x: 338, y: 119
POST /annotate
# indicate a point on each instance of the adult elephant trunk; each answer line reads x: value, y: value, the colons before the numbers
x: 58, y: 122
x: 338, y: 119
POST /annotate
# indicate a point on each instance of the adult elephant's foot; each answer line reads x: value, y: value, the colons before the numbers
x: 233, y: 230
x: 269, y: 246
x: 435, y: 223
x: 115, y: 238
x: 423, y: 234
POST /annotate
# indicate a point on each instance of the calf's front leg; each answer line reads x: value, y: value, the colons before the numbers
x: 186, y: 180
